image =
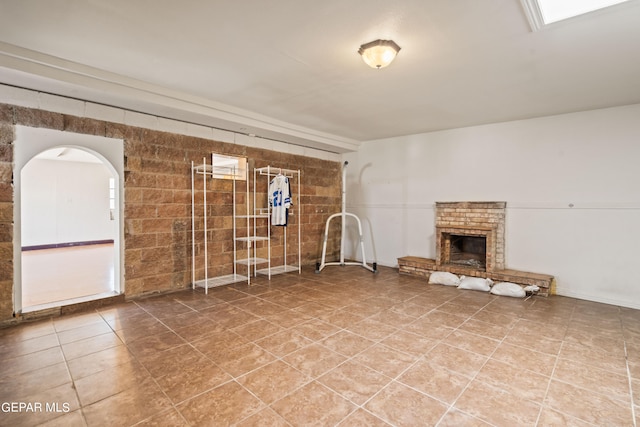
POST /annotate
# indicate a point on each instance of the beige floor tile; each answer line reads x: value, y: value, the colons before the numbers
x: 228, y: 316
x: 423, y: 326
x: 434, y: 380
x: 199, y: 330
x: 217, y: 344
x: 188, y: 319
x: 315, y: 329
x: 69, y: 419
x: 459, y: 309
x: 139, y: 331
x: 285, y: 342
x: 443, y: 318
x: 82, y: 332
x: 314, y: 360
x: 257, y: 330
x: 457, y: 360
x: 496, y: 331
x: 372, y: 329
x: 356, y: 382
x: 192, y: 379
x: 456, y: 418
x: 149, y: 346
x: 90, y: 345
x: 10, y: 348
x: 288, y: 318
x: 400, y: 405
x: 31, y: 361
x: 127, y: 407
x: 519, y: 381
x: 609, y: 383
x: 120, y: 311
x: 588, y: 405
x: 167, y: 418
x: 347, y: 343
x: 26, y: 331
x: 99, y: 361
x: 496, y: 318
x: 133, y: 321
x: 259, y: 307
x: 385, y: 360
x: 393, y: 318
x: 410, y: 343
x: 265, y: 417
x: 239, y: 360
x: 20, y: 387
x: 635, y: 387
x: 273, y: 381
x: 497, y: 406
x: 534, y: 341
x: 362, y: 418
x: 593, y: 357
x: 551, y: 417
x: 224, y: 405
x: 313, y: 405
x: 170, y: 361
x: 108, y: 382
x: 525, y: 358
x: 611, y: 342
x: 543, y: 329
x: 472, y: 342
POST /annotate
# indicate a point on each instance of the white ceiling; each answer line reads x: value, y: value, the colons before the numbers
x: 289, y: 70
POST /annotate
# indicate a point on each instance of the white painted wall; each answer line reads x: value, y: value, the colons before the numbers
x: 64, y: 202
x: 571, y: 183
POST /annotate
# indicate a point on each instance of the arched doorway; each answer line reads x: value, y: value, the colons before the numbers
x: 68, y: 212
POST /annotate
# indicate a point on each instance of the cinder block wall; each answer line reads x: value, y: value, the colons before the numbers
x: 157, y: 201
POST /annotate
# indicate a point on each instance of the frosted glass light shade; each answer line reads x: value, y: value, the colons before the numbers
x: 380, y: 53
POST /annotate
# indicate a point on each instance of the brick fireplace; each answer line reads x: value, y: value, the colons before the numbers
x: 464, y: 228
x: 470, y: 240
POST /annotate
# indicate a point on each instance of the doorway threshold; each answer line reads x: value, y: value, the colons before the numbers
x: 74, y: 305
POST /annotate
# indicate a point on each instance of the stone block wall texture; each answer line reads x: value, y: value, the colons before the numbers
x: 157, y: 202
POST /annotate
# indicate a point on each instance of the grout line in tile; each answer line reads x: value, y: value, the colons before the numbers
x: 626, y: 358
x: 73, y: 381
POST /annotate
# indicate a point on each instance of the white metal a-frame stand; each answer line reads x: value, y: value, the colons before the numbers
x: 343, y: 215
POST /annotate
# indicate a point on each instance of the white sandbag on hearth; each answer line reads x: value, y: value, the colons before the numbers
x: 475, y: 283
x: 443, y: 278
x: 508, y: 289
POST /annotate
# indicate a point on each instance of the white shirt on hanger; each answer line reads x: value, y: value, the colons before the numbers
x: 279, y: 199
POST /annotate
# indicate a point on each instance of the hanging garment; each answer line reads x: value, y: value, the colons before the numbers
x: 279, y: 199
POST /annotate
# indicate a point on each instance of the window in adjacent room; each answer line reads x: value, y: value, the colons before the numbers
x: 228, y: 167
x: 112, y: 199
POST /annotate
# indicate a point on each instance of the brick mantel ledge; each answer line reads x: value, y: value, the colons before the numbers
x: 423, y: 267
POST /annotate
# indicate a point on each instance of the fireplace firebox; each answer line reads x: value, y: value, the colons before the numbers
x: 468, y: 250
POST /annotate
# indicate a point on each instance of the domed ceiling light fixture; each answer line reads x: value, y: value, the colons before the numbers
x: 379, y: 53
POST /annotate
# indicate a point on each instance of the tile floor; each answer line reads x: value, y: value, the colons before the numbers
x: 344, y: 347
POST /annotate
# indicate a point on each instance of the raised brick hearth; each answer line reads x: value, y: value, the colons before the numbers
x: 486, y: 220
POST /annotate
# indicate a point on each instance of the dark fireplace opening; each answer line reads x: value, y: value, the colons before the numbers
x: 468, y: 250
